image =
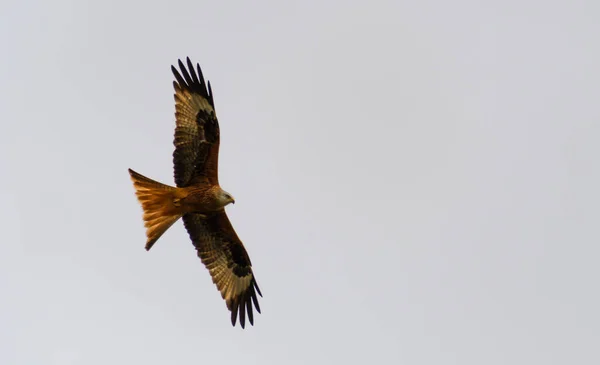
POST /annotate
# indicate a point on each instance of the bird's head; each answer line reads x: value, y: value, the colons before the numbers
x: 224, y: 198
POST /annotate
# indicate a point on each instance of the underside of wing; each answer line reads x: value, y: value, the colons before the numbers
x: 197, y: 130
x: 225, y: 257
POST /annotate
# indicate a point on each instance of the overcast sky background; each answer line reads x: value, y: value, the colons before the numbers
x: 416, y: 182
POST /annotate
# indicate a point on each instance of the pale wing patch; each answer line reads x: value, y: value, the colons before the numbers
x: 229, y: 284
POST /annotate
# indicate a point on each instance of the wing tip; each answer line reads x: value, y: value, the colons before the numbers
x: 242, y: 306
x: 192, y: 80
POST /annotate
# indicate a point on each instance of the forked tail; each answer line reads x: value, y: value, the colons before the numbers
x: 157, y: 200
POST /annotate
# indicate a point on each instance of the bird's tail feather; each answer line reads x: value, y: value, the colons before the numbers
x: 158, y: 202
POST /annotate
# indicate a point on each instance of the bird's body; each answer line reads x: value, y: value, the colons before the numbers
x: 198, y: 197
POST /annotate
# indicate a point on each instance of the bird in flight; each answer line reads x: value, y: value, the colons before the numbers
x: 198, y: 198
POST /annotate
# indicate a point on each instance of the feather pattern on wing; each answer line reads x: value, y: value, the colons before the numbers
x: 197, y: 129
x: 225, y: 257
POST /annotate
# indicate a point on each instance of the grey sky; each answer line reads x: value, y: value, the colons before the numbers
x: 416, y: 182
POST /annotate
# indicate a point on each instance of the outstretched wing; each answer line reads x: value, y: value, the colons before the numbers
x: 196, y: 140
x: 225, y: 257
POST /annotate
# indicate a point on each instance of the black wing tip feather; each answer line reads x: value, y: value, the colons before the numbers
x: 192, y: 80
x: 243, y: 304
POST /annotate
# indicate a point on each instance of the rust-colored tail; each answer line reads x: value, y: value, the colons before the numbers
x: 158, y: 202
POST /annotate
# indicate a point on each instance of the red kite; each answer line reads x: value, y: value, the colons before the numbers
x: 198, y: 198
